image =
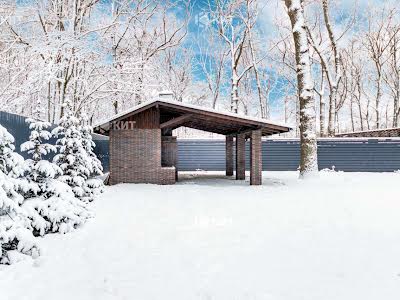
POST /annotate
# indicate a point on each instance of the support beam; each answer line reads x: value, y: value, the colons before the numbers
x: 175, y: 122
x: 229, y: 155
x: 240, y: 157
x: 169, y: 153
x: 255, y: 158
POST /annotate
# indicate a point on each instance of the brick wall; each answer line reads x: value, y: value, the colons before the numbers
x: 240, y: 157
x: 135, y: 157
x: 255, y: 158
x: 229, y: 155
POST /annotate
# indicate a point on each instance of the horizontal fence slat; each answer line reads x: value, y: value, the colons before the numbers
x: 362, y: 155
x: 351, y: 155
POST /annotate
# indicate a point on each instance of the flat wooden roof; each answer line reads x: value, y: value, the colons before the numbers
x: 176, y: 114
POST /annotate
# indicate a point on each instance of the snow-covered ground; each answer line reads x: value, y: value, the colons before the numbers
x: 333, y: 237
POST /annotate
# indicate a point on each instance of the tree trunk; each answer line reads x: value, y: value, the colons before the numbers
x: 322, y: 105
x: 263, y: 108
x: 322, y: 115
x: 139, y: 94
x: 351, y: 115
x: 308, y: 141
x: 235, y: 93
x: 333, y: 82
x: 337, y: 122
x: 115, y: 104
x: 396, y: 108
x: 332, y: 111
x: 396, y: 69
x: 286, y: 109
x: 215, y: 98
x: 48, y: 102
x: 359, y: 104
x: 114, y: 58
x: 378, y: 101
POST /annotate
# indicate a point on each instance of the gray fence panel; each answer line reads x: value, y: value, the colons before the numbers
x: 101, y: 151
x: 18, y: 127
x: 361, y: 155
x: 373, y: 155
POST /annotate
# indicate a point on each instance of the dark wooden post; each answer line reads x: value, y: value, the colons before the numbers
x: 255, y: 158
x: 169, y: 150
x: 240, y: 157
x: 229, y: 155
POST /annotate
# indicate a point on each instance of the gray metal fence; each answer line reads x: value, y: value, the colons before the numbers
x: 352, y: 155
x: 361, y: 155
x: 17, y: 126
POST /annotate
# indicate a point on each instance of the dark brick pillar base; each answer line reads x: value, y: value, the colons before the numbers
x: 135, y: 157
x: 229, y: 155
x: 255, y: 158
x: 240, y: 157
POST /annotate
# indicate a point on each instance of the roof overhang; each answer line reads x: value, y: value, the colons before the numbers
x: 181, y: 114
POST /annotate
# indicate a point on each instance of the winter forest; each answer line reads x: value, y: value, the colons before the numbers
x: 239, y: 55
x: 289, y: 192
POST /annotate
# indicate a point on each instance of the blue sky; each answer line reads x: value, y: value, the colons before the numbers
x: 272, y: 9
x: 199, y: 16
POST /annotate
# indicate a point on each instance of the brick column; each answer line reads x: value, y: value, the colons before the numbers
x: 229, y: 155
x: 240, y: 157
x: 255, y: 158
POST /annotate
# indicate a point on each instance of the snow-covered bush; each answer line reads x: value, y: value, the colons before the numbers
x: 72, y: 157
x: 50, y: 204
x: 15, y: 239
x: 93, y: 186
x: 11, y: 163
x: 57, y: 210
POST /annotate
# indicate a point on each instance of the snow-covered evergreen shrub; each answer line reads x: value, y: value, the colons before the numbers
x: 11, y: 163
x: 50, y: 204
x: 72, y: 157
x: 93, y: 186
x: 15, y: 239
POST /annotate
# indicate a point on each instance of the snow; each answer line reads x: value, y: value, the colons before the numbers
x: 16, y: 240
x: 331, y: 237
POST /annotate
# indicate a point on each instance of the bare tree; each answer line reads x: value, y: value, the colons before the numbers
x: 175, y: 71
x: 233, y: 23
x: 322, y: 109
x: 212, y: 63
x: 331, y: 67
x: 353, y: 79
x: 378, y: 42
x: 391, y: 74
x: 128, y: 14
x: 151, y: 39
x: 252, y: 10
x: 308, y: 141
x: 58, y: 49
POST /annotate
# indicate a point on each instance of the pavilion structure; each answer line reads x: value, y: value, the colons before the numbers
x: 142, y: 147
